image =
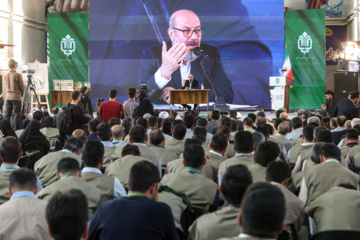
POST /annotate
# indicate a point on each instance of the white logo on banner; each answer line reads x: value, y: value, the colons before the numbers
x: 305, y: 43
x: 68, y: 45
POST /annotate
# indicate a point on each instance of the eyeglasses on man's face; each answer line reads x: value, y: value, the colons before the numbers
x: 188, y: 33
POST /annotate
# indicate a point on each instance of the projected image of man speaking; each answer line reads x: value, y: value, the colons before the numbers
x: 166, y: 67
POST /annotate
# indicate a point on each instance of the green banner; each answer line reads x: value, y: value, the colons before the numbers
x: 68, y: 45
x: 305, y: 40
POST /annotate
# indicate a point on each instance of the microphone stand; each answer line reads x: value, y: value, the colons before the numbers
x: 219, y: 100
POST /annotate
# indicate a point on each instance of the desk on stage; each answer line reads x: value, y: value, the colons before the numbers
x: 59, y: 97
x: 191, y: 96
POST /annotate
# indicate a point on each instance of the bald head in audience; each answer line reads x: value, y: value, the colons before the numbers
x: 79, y: 133
x: 117, y: 132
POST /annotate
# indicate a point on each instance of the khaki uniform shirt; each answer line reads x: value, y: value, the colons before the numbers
x: 295, y: 151
x: 52, y: 135
x: 200, y: 190
x: 108, y: 153
x: 211, y: 226
x: 174, y: 145
x: 104, y: 183
x: 23, y: 218
x: 245, y: 159
x: 14, y: 84
x: 166, y: 156
x: 4, y: 184
x: 46, y: 167
x: 258, y: 172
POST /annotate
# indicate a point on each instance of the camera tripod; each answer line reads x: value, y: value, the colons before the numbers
x: 30, y: 88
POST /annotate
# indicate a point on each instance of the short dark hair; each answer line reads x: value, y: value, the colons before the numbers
x: 83, y: 89
x: 262, y: 218
x: 316, y: 151
x: 258, y: 138
x: 200, y: 133
x: 270, y: 128
x: 234, y: 183
x: 201, y: 122
x: 92, y: 152
x: 352, y: 134
x: 175, y: 122
x: 225, y: 121
x: 67, y: 214
x: 264, y: 130
x: 189, y: 120
x: 38, y: 115
x: 167, y: 126
x: 75, y: 95
x: 152, y: 121
x: 252, y: 116
x: 22, y: 179
x: 308, y: 133
x: 114, y: 121
x: 266, y: 152
x: 55, y: 110
x: 73, y: 144
x: 329, y: 92
x: 68, y: 165
x: 278, y: 171
x: 194, y: 155
x: 248, y: 121
x: 341, y: 121
x: 215, y: 115
x: 132, y: 92
x: 324, y: 136
x: 224, y: 130
x: 190, y: 141
x: 219, y: 142
x: 93, y: 124
x: 10, y: 149
x: 143, y: 175
x: 244, y: 142
x: 112, y: 93
x: 354, y: 94
x: 260, y: 121
x: 126, y: 122
x: 179, y: 131
x: 296, y: 122
x: 142, y: 122
x: 156, y: 136
x: 329, y: 150
x: 137, y: 134
x: 283, y: 128
x: 277, y: 122
x: 130, y: 149
x: 232, y: 114
x: 234, y: 125
x: 103, y: 131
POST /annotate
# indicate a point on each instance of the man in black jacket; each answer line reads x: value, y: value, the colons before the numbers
x: 191, y: 83
x: 347, y: 107
x: 85, y: 101
x: 330, y: 103
x: 79, y: 118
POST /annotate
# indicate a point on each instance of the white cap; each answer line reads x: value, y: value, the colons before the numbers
x: 163, y: 115
x: 238, y: 115
x: 147, y: 115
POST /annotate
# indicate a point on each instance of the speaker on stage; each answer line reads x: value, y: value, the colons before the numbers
x: 345, y: 82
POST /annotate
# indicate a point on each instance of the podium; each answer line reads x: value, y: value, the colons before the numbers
x: 59, y: 97
x: 191, y: 96
x: 281, y: 92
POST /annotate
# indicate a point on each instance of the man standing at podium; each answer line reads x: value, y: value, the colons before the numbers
x: 191, y: 83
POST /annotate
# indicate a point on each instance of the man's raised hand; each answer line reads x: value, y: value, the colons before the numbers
x: 171, y: 59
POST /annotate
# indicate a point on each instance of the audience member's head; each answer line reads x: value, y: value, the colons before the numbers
x: 153, y: 122
x: 266, y: 152
x: 67, y: 215
x: 79, y: 133
x: 74, y: 145
x: 352, y: 135
x: 137, y: 134
x: 234, y: 183
x: 179, y: 131
x: 215, y: 115
x: 93, y: 154
x: 308, y: 133
x: 260, y: 121
x: 130, y: 149
x: 142, y: 122
x: 264, y: 130
x: 270, y: 128
x: 132, y: 92
x: 22, y: 179
x: 194, y: 156
x: 225, y: 121
x: 262, y: 218
x: 244, y: 142
x: 112, y: 94
x: 296, y: 122
x: 103, y: 131
x: 200, y: 133
x: 55, y: 111
x: 201, y: 122
x: 224, y: 130
x: 283, y: 128
x: 248, y: 122
x: 324, y: 136
x: 114, y: 121
x: 278, y: 171
x: 354, y: 96
x: 314, y: 119
x: 10, y: 150
x: 234, y: 126
x: 38, y: 115
x: 355, y: 121
x: 315, y: 155
x: 68, y: 166
x: 127, y: 122
x: 341, y: 121
x: 258, y: 138
x: 117, y: 132
x: 219, y: 143
x: 347, y: 125
x: 75, y: 96
x: 283, y: 116
x: 329, y: 151
x: 317, y: 130
x: 189, y: 121
x: 157, y: 137
x: 252, y: 116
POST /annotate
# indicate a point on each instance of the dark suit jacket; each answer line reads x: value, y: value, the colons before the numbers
x: 151, y: 62
x: 330, y: 108
x: 194, y: 84
x: 337, y: 136
x: 347, y: 108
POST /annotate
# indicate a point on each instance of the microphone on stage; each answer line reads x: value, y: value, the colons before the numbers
x: 200, y: 53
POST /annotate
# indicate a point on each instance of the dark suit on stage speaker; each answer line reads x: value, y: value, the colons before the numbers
x: 347, y: 108
x: 191, y: 84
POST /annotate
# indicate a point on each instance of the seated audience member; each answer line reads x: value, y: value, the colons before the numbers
x: 248, y: 124
x: 153, y: 124
x: 223, y: 222
x: 67, y: 215
x: 224, y: 121
x: 340, y: 121
x: 263, y: 129
x: 111, y: 108
x: 297, y: 130
x: 38, y: 115
x: 307, y: 142
x: 260, y: 121
x: 93, y: 123
x: 214, y: 121
x: 103, y: 132
x: 32, y: 139
x: 138, y: 216
x: 258, y: 138
x: 10, y: 153
x: 6, y: 130
x: 201, y: 191
x: 330, y: 214
x: 202, y: 122
x: 54, y: 113
x: 130, y: 104
x: 92, y: 155
x: 200, y: 133
x: 120, y: 169
x: 283, y: 129
x: 340, y: 131
x: 329, y: 173
x: 278, y: 173
x: 49, y: 131
x: 230, y: 151
x: 46, y: 167
x: 80, y: 134
x: 157, y: 141
x: 24, y: 124
x: 140, y: 121
x: 138, y: 137
x: 127, y: 123
x: 23, y: 216
x: 351, y: 149
x: 244, y: 145
x: 68, y: 174
x: 117, y: 135
x: 189, y: 121
x: 252, y: 116
x: 218, y: 147
x: 145, y: 106
x: 261, y: 219
x: 265, y: 153
x: 234, y: 127
x: 176, y: 143
x: 114, y: 121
